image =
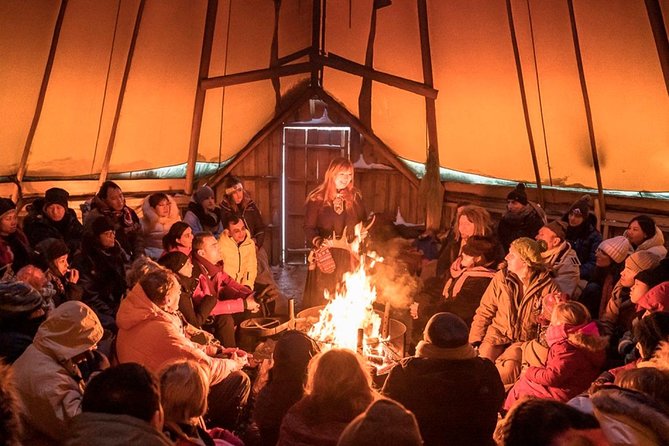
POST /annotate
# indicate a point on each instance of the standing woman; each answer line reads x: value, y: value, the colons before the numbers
x: 333, y: 207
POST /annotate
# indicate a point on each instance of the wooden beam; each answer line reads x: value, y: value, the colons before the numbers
x: 660, y: 34
x: 275, y: 123
x: 354, y: 122
x: 255, y: 75
x: 23, y: 163
x: 588, y: 111
x: 348, y: 66
x: 523, y: 98
x: 426, y: 57
x: 121, y: 96
x: 365, y: 96
x: 304, y: 52
x: 315, y: 42
x: 274, y: 55
x: 198, y: 108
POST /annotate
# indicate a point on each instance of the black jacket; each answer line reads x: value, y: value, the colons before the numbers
x: 37, y: 227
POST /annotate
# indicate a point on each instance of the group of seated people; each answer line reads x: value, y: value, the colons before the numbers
x: 531, y: 334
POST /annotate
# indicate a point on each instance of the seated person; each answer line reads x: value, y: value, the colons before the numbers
x: 10, y: 422
x: 213, y: 281
x: 121, y: 406
x: 385, y: 422
x: 178, y: 238
x: 560, y: 257
x: 62, y: 278
x: 52, y: 373
x: 51, y: 217
x: 22, y: 311
x: 15, y: 252
x: 160, y: 212
x: 644, y: 235
x: 238, y: 253
x: 151, y: 333
x: 582, y: 235
x: 101, y: 265
x: 109, y: 202
x: 522, y: 218
x: 203, y: 214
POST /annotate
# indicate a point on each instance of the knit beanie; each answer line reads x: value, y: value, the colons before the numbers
x: 529, y: 250
x: 100, y: 225
x: 559, y: 228
x: 18, y: 297
x: 446, y: 330
x: 56, y: 248
x: 518, y: 194
x: 6, y: 205
x: 56, y: 195
x: 384, y: 423
x: 641, y: 261
x: 203, y: 193
x: 656, y: 299
x: 581, y: 206
x: 174, y: 261
x: 618, y: 248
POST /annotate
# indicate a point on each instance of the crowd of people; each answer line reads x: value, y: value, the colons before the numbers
x: 122, y: 330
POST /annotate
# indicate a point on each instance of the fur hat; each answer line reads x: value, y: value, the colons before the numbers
x: 203, y: 193
x: 581, y: 206
x: 618, y: 248
x: 100, y: 225
x: 559, y: 228
x: 174, y: 261
x: 518, y: 194
x: 384, y: 423
x: 641, y: 261
x: 6, y: 205
x: 56, y: 195
x: 446, y: 330
x: 18, y: 297
x: 529, y: 250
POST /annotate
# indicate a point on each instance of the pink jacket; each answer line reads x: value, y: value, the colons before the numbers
x: 154, y: 338
x: 213, y: 281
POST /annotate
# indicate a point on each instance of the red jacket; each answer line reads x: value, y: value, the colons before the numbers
x: 213, y: 281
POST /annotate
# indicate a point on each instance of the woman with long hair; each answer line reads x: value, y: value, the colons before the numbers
x: 178, y: 238
x: 339, y: 388
x: 333, y: 210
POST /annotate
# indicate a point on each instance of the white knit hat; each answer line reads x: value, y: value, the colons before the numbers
x: 618, y: 248
x: 641, y: 261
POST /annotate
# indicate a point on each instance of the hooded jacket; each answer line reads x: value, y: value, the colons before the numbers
x: 126, y: 224
x: 509, y: 312
x: 155, y: 227
x: 239, y: 260
x: 654, y: 245
x: 573, y: 363
x: 524, y: 224
x: 201, y: 220
x: 103, y: 429
x: 213, y: 281
x: 565, y: 267
x: 585, y: 240
x: 153, y: 338
x: 49, y: 383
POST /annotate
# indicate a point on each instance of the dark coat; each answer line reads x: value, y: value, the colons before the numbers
x: 249, y: 212
x: 465, y: 292
x: 454, y: 400
x: 126, y: 224
x: 104, y: 429
x: 195, y: 314
x: 38, y: 226
x: 513, y: 226
x: 585, y: 240
x: 14, y: 252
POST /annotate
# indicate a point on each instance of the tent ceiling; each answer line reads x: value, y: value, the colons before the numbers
x: 479, y: 113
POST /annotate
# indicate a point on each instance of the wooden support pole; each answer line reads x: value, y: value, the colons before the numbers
x: 294, y: 56
x: 430, y: 105
x: 315, y: 42
x: 274, y: 55
x: 523, y: 98
x: 342, y: 64
x: 124, y: 82
x: 660, y: 34
x: 365, y: 97
x: 588, y: 111
x: 198, y: 108
x: 255, y: 75
x: 23, y: 163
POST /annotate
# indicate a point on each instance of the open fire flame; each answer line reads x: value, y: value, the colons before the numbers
x: 351, y: 309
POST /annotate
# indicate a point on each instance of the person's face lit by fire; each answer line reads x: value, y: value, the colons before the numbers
x: 237, y: 194
x: 465, y: 227
x: 635, y: 234
x: 575, y: 218
x: 115, y: 199
x: 237, y: 231
x: 209, y: 250
x: 515, y: 263
x: 343, y: 179
x: 8, y: 222
x: 163, y: 208
x: 60, y: 263
x: 187, y: 269
x: 186, y: 239
x: 107, y: 239
x: 55, y: 212
x: 602, y: 259
x: 515, y: 207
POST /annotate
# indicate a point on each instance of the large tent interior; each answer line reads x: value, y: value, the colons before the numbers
x: 567, y: 96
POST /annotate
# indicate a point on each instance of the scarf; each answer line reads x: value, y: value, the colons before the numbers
x: 425, y: 349
x: 208, y: 219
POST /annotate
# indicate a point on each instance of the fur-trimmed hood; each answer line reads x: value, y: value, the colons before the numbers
x: 621, y: 410
x: 150, y: 218
x: 655, y: 244
x: 588, y: 338
x: 660, y: 359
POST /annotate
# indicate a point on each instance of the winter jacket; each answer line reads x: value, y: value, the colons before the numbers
x: 462, y: 295
x: 654, y: 245
x: 38, y: 226
x: 213, y: 281
x: 17, y: 331
x: 248, y: 211
x: 102, y: 279
x: 525, y: 224
x: 619, y: 311
x: 239, y: 261
x: 49, y: 384
x: 573, y: 363
x: 506, y: 316
x: 454, y: 394
x: 15, y: 252
x: 154, y: 227
x: 565, y: 267
x: 126, y: 224
x: 154, y: 338
x: 103, y: 429
x: 656, y: 299
x: 195, y: 314
x: 585, y: 240
x: 200, y: 220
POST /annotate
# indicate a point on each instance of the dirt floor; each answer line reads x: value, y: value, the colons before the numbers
x: 291, y: 279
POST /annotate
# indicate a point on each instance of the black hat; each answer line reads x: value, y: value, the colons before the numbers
x: 481, y: 246
x: 173, y: 261
x: 6, y: 205
x: 446, y: 330
x: 518, y: 194
x: 56, y: 248
x: 56, y: 195
x: 101, y: 224
x: 18, y: 297
x: 581, y: 206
